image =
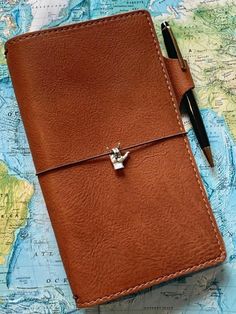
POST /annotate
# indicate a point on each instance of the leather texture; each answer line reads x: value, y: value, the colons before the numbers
x: 181, y: 80
x: 83, y: 88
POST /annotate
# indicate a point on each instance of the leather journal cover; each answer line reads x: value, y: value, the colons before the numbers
x: 82, y: 89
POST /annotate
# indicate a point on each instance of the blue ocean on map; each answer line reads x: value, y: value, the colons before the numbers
x: 82, y: 10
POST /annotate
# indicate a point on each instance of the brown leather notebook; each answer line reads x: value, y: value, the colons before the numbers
x: 82, y: 89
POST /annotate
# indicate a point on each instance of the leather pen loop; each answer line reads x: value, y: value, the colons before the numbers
x: 109, y: 153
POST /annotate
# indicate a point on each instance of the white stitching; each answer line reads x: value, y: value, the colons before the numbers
x: 154, y: 281
x: 181, y: 129
x: 67, y: 28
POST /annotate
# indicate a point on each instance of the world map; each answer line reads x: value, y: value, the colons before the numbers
x: 32, y: 277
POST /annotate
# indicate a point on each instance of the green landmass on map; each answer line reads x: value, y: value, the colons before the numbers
x: 7, y: 27
x: 15, y: 195
x: 2, y: 59
x: 207, y: 41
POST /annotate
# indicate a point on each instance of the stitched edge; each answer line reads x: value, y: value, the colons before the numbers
x: 150, y: 283
x: 181, y: 129
x: 67, y: 28
x: 186, y: 270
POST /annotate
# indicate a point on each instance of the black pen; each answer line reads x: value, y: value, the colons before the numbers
x: 188, y: 101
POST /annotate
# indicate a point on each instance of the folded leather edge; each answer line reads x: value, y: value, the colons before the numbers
x: 173, y: 98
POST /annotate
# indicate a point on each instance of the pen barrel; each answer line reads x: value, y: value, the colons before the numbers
x: 188, y: 102
x: 190, y: 105
x: 169, y: 44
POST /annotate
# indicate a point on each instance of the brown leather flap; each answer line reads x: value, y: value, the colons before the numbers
x: 181, y: 80
x: 86, y: 90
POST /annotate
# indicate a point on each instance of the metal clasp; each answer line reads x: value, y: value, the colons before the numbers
x: 117, y: 158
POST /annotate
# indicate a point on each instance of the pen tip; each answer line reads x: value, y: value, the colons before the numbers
x: 208, y: 154
x: 164, y: 25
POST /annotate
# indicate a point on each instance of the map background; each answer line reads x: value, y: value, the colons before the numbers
x: 32, y: 278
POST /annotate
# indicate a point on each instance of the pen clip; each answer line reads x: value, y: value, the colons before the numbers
x: 181, y: 60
